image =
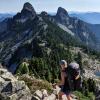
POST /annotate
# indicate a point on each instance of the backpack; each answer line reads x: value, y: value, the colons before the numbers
x: 72, y: 71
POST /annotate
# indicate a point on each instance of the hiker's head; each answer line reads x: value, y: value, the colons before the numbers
x: 63, y: 64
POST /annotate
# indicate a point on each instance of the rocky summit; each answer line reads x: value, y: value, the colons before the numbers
x: 62, y: 14
x: 27, y: 12
x: 11, y: 88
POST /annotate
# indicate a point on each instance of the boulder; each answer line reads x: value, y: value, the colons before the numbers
x: 11, y: 88
x: 39, y: 94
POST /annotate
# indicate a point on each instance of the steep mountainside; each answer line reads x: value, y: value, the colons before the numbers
x: 29, y: 32
x: 90, y: 23
x: 96, y: 29
x: 78, y: 27
x: 92, y: 18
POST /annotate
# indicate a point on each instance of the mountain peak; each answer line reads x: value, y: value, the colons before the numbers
x: 44, y: 13
x: 62, y: 16
x: 28, y: 10
x: 28, y: 6
x: 62, y: 11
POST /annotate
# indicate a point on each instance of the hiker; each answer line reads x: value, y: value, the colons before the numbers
x: 70, y: 79
x: 64, y: 84
x: 74, y: 76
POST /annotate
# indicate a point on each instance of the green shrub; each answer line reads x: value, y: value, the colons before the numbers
x: 36, y: 84
x: 23, y: 68
x: 83, y: 97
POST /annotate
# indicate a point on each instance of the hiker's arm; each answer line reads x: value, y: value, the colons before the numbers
x: 62, y: 79
x: 77, y: 77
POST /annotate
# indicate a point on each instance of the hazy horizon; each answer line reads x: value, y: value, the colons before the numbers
x: 14, y: 6
x: 70, y: 12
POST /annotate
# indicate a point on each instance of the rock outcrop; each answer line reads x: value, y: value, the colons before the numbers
x: 62, y: 16
x: 11, y: 88
x: 27, y: 12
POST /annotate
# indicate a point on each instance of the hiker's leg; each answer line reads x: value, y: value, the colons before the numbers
x: 68, y: 97
x: 60, y: 95
x: 61, y: 92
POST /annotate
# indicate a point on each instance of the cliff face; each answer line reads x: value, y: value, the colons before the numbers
x: 78, y: 27
x: 26, y: 13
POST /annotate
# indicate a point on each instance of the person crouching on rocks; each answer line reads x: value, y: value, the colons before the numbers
x: 64, y: 84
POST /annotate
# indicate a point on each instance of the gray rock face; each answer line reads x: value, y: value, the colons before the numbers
x: 77, y: 26
x: 28, y: 10
x: 11, y: 88
x: 26, y: 13
x: 62, y: 16
x: 29, y: 7
x: 61, y: 11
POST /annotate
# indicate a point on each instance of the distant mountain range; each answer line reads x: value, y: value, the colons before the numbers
x: 5, y: 15
x: 89, y: 17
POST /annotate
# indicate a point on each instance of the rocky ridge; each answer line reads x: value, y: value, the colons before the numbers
x: 13, y: 89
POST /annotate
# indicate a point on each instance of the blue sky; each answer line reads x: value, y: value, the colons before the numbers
x: 8, y: 6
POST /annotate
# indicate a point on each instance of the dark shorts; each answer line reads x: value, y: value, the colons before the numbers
x: 77, y: 84
x: 64, y: 90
